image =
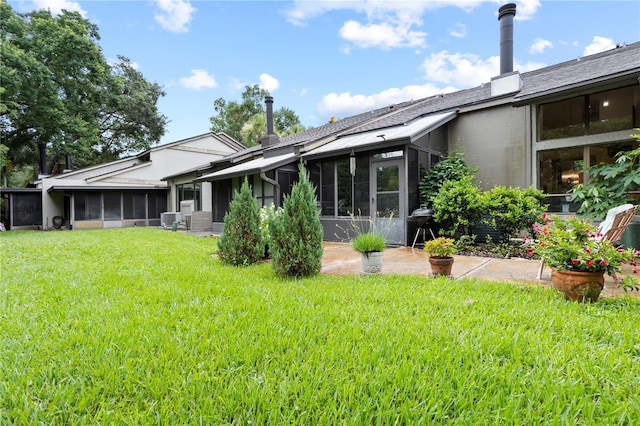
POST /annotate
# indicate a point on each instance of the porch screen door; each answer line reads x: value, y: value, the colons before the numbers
x: 387, y: 187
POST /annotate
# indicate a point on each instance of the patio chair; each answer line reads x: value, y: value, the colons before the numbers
x: 611, y: 229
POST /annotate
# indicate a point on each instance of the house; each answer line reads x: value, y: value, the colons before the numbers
x: 128, y: 192
x: 535, y: 128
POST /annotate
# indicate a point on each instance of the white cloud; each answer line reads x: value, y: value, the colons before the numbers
x: 458, y: 31
x: 391, y: 24
x: 466, y: 70
x: 174, y: 15
x: 268, y: 82
x: 383, y: 35
x: 199, y: 79
x: 599, y: 44
x: 57, y: 6
x: 347, y: 104
x: 445, y: 72
x: 540, y: 45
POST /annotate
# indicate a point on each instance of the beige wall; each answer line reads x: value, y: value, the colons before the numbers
x: 494, y: 141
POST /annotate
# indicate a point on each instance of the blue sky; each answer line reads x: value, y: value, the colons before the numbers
x: 336, y: 58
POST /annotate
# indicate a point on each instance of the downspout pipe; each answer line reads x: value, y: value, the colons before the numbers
x: 275, y: 184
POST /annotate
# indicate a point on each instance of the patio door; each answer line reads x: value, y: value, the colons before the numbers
x: 387, y: 201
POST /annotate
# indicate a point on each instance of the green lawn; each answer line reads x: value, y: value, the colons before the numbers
x: 143, y: 326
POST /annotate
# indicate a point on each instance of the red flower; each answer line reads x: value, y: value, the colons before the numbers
x: 575, y: 261
x: 589, y: 262
x: 604, y: 262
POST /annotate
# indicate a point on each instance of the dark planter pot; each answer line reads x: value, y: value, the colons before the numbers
x: 441, y: 265
x: 578, y: 286
x: 57, y: 221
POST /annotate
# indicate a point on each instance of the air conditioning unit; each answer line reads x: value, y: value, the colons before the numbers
x: 167, y: 218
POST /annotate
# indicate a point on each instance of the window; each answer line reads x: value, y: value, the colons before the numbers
x: 559, y: 170
x: 339, y: 193
x: 188, y: 191
x: 88, y: 206
x: 327, y: 194
x: 345, y: 188
x: 157, y: 205
x: 112, y: 206
x: 135, y: 205
x: 26, y: 209
x: 601, y: 112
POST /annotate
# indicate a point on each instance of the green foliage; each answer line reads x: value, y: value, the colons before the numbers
x: 241, y: 242
x: 297, y: 232
x: 367, y: 234
x: 458, y: 207
x: 246, y: 120
x: 440, y: 247
x: 59, y: 93
x: 609, y: 185
x: 368, y: 242
x: 452, y: 167
x: 112, y: 330
x: 512, y: 210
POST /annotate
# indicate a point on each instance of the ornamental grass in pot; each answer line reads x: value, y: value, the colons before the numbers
x: 440, y: 251
x: 579, y: 257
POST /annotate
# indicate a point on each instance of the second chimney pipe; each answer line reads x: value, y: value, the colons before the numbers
x: 505, y: 17
x: 269, y: 101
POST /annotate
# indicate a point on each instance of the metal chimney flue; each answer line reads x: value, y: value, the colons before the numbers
x: 505, y: 17
x: 269, y: 101
x: 270, y: 138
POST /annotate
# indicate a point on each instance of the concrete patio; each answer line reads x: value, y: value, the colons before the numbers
x: 341, y: 259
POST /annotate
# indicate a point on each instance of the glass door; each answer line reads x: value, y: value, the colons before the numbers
x: 387, y: 206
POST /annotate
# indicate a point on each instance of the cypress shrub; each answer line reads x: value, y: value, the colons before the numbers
x: 296, y: 233
x: 241, y: 241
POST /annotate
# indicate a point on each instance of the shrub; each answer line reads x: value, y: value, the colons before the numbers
x: 449, y: 168
x: 267, y: 213
x: 512, y: 210
x: 241, y: 241
x: 296, y: 233
x: 458, y: 207
x: 609, y: 185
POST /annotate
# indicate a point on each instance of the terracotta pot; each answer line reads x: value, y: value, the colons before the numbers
x: 580, y: 286
x: 441, y: 265
x: 371, y: 262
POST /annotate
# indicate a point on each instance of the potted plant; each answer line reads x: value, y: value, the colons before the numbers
x: 440, y: 252
x: 368, y: 236
x: 579, y: 257
x: 370, y: 245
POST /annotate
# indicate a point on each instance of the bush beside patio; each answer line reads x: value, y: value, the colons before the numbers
x: 141, y: 325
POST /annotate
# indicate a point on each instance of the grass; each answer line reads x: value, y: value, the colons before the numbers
x: 143, y: 326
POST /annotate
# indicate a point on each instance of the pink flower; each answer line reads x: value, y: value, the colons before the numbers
x: 604, y: 262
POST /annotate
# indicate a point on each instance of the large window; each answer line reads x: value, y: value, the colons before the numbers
x: 112, y: 206
x: 135, y: 205
x: 157, y: 205
x: 26, y: 209
x: 88, y: 206
x: 559, y: 170
x: 340, y: 193
x: 188, y: 191
x: 601, y: 112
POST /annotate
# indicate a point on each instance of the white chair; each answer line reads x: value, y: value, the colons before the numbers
x: 611, y: 228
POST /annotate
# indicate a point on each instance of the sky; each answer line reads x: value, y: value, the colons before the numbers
x: 335, y: 58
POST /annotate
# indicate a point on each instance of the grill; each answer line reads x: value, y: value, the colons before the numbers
x: 423, y: 218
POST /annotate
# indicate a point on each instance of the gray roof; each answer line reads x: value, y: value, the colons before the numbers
x: 570, y: 75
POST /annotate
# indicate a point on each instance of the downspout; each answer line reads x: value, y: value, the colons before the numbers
x: 275, y: 184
